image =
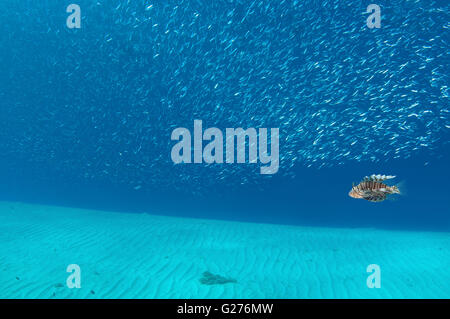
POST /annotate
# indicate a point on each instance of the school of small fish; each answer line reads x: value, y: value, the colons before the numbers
x: 100, y: 102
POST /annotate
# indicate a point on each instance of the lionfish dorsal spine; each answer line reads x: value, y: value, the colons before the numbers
x: 379, y: 177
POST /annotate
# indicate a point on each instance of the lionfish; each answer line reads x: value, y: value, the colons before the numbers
x: 373, y: 189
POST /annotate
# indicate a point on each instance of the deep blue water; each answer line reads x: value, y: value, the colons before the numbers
x: 87, y: 114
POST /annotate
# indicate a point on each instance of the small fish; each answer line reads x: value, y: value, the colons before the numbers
x: 373, y: 189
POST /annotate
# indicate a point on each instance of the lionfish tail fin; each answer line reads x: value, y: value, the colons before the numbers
x: 401, y: 187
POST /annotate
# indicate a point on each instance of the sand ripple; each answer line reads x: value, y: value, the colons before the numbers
x: 146, y: 256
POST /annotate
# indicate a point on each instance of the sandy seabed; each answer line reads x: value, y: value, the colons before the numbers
x: 124, y: 255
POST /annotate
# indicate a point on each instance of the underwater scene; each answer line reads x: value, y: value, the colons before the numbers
x: 270, y: 149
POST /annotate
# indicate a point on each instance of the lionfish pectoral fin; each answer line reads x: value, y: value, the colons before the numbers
x: 375, y: 197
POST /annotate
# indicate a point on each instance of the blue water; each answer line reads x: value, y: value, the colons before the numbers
x: 86, y: 119
x: 87, y: 114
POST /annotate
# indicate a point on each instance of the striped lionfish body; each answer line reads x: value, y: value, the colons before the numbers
x: 373, y: 189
